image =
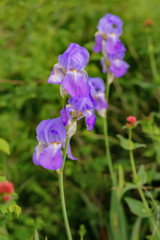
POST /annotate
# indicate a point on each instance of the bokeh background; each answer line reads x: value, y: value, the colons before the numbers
x: 32, y: 35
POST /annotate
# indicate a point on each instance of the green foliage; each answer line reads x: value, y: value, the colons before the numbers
x: 4, y: 146
x: 33, y: 34
x: 137, y: 207
x: 36, y: 235
x: 129, y: 145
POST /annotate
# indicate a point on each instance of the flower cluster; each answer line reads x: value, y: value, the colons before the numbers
x: 86, y: 96
x: 6, y: 190
x: 132, y: 121
x: 107, y: 40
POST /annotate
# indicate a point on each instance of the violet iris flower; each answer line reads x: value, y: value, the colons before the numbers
x: 51, y: 135
x: 117, y: 65
x: 79, y: 108
x: 98, y: 93
x: 109, y: 29
x: 70, y: 73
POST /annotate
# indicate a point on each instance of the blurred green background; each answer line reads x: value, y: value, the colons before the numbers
x: 32, y: 35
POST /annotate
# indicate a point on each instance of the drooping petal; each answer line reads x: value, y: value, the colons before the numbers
x: 69, y: 153
x: 51, y: 157
x: 101, y: 101
x: 40, y: 147
x: 75, y: 84
x: 90, y: 119
x: 65, y: 114
x: 57, y: 75
x: 118, y: 67
x: 98, y: 43
x: 81, y: 105
x: 104, y: 70
x: 96, y: 84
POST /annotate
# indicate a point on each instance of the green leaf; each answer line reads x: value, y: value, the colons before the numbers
x: 15, y: 208
x: 136, y: 229
x: 137, y: 207
x: 118, y: 224
x: 4, y: 146
x: 36, y: 236
x: 120, y: 180
x: 129, y: 186
x: 142, y: 174
x: 129, y: 145
x: 2, y: 178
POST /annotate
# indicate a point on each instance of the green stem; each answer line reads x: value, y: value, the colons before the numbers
x: 141, y: 193
x: 61, y: 187
x: 152, y: 57
x: 105, y: 126
x: 108, y: 155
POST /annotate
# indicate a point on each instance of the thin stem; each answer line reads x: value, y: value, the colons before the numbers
x: 61, y: 187
x: 108, y: 155
x: 152, y: 57
x: 141, y: 193
x: 131, y: 156
x: 105, y: 126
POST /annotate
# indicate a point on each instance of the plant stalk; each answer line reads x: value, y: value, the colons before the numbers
x: 141, y: 193
x: 61, y: 187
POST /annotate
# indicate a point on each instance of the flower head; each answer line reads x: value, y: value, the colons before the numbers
x: 109, y: 29
x: 6, y: 187
x: 70, y: 73
x: 132, y: 121
x: 51, y: 135
x: 6, y: 198
x: 98, y: 93
x: 148, y: 22
x: 78, y: 108
x: 117, y: 65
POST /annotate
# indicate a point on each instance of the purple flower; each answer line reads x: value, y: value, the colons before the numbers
x: 79, y: 108
x: 70, y: 73
x: 117, y: 65
x: 51, y: 135
x: 109, y: 29
x: 98, y: 93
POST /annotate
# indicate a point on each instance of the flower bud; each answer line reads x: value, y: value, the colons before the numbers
x: 63, y: 92
x: 72, y: 127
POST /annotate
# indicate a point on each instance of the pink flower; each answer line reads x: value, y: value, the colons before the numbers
x: 6, y: 198
x: 132, y: 121
x: 6, y: 187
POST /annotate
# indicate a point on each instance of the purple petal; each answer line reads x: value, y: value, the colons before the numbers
x: 40, y: 130
x: 103, y: 64
x: 90, y: 119
x: 65, y: 114
x: 75, y: 85
x: 57, y: 75
x: 110, y: 24
x: 98, y: 43
x: 69, y: 153
x: 40, y: 147
x: 110, y: 45
x: 74, y: 58
x: 55, y: 131
x: 81, y: 105
x: 101, y: 101
x: 118, y: 68
x: 96, y: 84
x: 51, y: 157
